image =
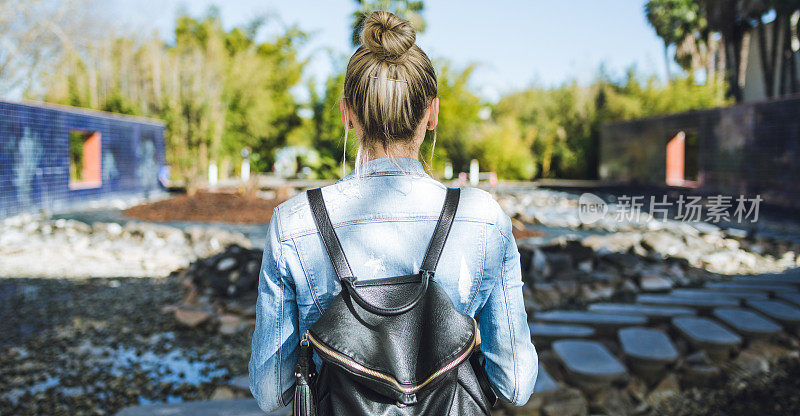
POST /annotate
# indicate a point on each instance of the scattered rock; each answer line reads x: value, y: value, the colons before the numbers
x: 667, y: 388
x: 566, y: 402
x: 223, y: 393
x: 654, y: 283
x: 230, y: 324
x: 612, y: 401
x: 751, y: 364
x: 192, y: 317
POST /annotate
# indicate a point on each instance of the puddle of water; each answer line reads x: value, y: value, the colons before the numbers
x: 173, y: 367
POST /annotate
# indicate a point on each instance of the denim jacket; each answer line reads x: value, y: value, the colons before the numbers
x: 385, y: 218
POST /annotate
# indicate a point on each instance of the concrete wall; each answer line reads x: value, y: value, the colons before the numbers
x: 34, y: 155
x: 747, y: 149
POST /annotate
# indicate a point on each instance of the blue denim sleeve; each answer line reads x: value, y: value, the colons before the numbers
x: 511, y: 360
x: 276, y: 336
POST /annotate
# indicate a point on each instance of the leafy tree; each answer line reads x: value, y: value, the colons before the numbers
x: 218, y: 91
x: 458, y: 118
x: 679, y: 23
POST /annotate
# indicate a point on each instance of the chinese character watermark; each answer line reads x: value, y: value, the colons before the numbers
x: 714, y: 208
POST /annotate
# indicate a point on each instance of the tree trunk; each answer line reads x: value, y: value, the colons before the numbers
x: 732, y: 65
x: 776, y: 32
x: 789, y: 56
x: 711, y: 57
x: 767, y: 64
x: 785, y: 57
x: 744, y: 57
x: 666, y: 62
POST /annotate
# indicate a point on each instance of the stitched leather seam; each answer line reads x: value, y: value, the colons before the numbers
x: 310, y: 231
x: 441, y: 363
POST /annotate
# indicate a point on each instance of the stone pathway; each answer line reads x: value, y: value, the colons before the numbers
x: 692, y: 334
x: 780, y: 311
x: 587, y: 355
x: 692, y: 302
x: 234, y: 407
x: 653, y: 313
x: 714, y: 294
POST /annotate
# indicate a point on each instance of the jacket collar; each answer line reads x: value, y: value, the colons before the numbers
x: 395, y: 165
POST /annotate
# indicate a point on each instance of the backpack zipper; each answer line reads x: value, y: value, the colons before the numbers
x: 352, y: 365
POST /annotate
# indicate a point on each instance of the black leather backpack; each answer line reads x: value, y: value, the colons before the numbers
x: 391, y: 346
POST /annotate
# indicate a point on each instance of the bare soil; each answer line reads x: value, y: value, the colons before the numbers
x: 207, y: 207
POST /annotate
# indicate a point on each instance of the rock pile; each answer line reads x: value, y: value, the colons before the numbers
x: 32, y: 246
x: 704, y: 245
x: 221, y: 291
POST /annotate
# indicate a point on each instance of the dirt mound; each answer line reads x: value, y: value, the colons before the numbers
x: 207, y: 207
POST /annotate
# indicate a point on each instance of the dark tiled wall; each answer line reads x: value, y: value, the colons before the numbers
x: 34, y: 156
x: 747, y: 149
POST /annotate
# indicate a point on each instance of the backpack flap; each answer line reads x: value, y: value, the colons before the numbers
x: 399, y: 355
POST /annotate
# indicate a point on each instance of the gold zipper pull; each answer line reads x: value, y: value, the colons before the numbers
x: 304, y: 340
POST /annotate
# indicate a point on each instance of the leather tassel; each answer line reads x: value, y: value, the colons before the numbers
x: 304, y: 373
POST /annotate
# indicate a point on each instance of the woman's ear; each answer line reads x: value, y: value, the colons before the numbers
x: 345, y: 113
x: 433, y: 115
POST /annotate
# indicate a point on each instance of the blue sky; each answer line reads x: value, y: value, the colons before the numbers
x: 515, y: 43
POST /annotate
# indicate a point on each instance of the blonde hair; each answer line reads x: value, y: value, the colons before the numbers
x: 389, y: 84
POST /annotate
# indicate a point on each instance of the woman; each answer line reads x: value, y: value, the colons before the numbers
x: 384, y: 213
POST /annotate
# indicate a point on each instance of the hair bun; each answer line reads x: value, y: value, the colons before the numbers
x: 388, y: 36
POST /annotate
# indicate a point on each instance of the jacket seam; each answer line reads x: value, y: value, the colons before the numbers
x: 309, y: 231
x: 385, y: 173
x: 278, y: 262
x: 512, y: 332
x: 307, y: 274
x: 481, y: 270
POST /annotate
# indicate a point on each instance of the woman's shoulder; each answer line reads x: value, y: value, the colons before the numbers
x: 481, y: 204
x: 294, y: 215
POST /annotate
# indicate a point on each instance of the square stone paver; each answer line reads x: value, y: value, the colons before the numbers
x: 692, y: 302
x: 746, y: 287
x: 600, y: 321
x: 789, y: 297
x: 589, y: 362
x: 747, y: 322
x: 544, y: 382
x: 647, y: 345
x: 544, y: 333
x: 706, y: 334
x: 780, y: 311
x: 711, y: 293
x: 653, y: 312
x: 769, y: 279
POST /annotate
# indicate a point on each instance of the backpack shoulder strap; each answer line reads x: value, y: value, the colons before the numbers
x: 334, y: 247
x: 328, y: 234
x: 441, y: 231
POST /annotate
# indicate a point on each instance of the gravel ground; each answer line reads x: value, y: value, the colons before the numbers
x: 92, y: 347
x: 774, y: 393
